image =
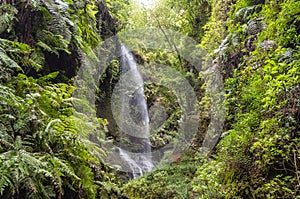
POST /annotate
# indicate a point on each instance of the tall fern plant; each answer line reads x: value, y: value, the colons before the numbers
x: 26, y: 169
x: 41, y: 152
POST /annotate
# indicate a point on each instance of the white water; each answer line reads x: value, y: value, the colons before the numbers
x: 136, y: 170
x: 134, y: 117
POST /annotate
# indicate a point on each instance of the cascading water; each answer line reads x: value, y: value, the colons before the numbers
x: 133, y: 114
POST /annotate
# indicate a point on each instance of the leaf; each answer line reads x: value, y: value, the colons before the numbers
x: 7, y: 15
x: 6, y: 61
x: 47, y: 48
x: 47, y: 78
x: 47, y: 129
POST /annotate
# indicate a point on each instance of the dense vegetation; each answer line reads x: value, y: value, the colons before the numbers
x: 256, y: 45
x: 43, y: 154
x: 45, y: 147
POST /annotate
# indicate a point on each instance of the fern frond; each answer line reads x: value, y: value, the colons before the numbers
x: 52, y: 42
x: 6, y: 61
x: 47, y: 78
x: 47, y: 129
x: 13, y: 54
x: 7, y: 15
x: 61, y: 22
x: 14, y: 46
x: 6, y: 140
x: 5, y: 179
x: 26, y: 171
x: 47, y: 47
x: 31, y: 187
x: 7, y: 97
x: 64, y: 168
x: 55, y: 170
x: 96, y: 150
x: 37, y: 190
x: 38, y: 56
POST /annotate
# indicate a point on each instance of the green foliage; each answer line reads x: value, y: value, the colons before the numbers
x: 188, y: 17
x: 64, y: 26
x: 16, y: 56
x: 8, y: 14
x: 206, y: 184
x: 44, y: 146
x: 169, y: 182
x: 43, y: 153
x: 121, y: 10
x: 257, y: 46
x: 285, y: 28
x: 259, y: 151
x: 214, y: 29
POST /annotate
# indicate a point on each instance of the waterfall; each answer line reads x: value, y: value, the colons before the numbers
x: 133, y: 114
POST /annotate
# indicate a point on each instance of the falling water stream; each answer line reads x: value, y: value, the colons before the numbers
x: 134, y: 116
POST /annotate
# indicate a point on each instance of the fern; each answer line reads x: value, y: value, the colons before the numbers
x: 15, y: 56
x: 5, y: 180
x: 7, y: 15
x: 64, y: 168
x: 46, y: 47
x: 36, y: 190
x: 15, y: 47
x: 57, y: 169
x: 52, y: 43
x: 26, y: 171
x: 6, y: 61
x: 41, y: 153
x: 7, y: 97
x: 38, y: 57
x: 61, y: 19
x: 5, y: 139
x: 67, y: 22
